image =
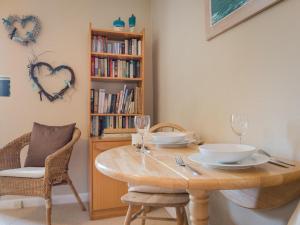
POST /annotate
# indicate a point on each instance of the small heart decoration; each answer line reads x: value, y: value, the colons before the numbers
x: 14, y: 34
x: 53, y: 71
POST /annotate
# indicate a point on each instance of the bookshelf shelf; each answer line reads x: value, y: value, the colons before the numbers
x: 118, y: 34
x: 108, y: 79
x: 115, y: 114
x: 116, y: 56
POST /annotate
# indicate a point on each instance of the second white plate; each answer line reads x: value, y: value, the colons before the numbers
x: 172, y: 145
x: 254, y: 160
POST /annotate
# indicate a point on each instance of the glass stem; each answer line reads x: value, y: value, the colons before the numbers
x: 143, y: 144
x: 240, y: 139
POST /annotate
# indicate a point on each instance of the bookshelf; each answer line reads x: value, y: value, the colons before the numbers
x: 105, y: 75
x: 120, y: 64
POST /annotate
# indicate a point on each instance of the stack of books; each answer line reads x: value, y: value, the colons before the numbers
x: 126, y: 101
x: 129, y: 46
x: 104, y: 67
x: 100, y: 124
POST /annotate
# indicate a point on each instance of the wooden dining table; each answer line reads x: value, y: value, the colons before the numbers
x: 159, y: 168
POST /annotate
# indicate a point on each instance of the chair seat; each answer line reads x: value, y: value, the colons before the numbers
x: 26, y: 172
x: 159, y: 200
x: 154, y: 189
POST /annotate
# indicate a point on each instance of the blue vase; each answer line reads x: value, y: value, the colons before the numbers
x: 119, y: 24
x: 132, y: 22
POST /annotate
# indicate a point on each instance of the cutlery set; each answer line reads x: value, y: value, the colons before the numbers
x: 275, y: 161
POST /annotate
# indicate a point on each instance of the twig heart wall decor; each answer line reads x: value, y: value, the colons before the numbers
x: 14, y: 34
x: 34, y: 68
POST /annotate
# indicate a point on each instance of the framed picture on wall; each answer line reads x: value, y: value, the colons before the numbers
x: 4, y: 86
x: 222, y: 15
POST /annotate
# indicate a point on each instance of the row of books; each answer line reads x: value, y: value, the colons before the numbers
x: 105, y: 67
x: 125, y: 101
x: 128, y: 46
x: 99, y: 124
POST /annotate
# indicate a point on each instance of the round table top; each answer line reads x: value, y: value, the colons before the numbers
x: 159, y: 168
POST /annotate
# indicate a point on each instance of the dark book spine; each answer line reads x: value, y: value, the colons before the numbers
x: 92, y: 100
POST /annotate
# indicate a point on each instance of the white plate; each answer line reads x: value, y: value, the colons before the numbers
x: 169, y: 137
x: 181, y: 144
x: 254, y: 160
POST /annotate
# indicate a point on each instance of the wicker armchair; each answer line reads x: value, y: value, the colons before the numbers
x: 56, y: 172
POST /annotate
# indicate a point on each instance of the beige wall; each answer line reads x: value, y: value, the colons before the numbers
x: 253, y: 68
x: 64, y: 32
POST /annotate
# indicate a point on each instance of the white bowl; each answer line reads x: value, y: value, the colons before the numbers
x: 226, y: 153
x: 168, y: 137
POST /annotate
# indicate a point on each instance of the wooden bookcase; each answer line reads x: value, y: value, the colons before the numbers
x: 105, y: 192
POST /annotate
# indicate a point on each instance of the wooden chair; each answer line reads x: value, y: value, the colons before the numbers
x: 295, y: 218
x: 150, y: 201
x: 39, y: 185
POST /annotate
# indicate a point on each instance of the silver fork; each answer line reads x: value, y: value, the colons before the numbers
x: 274, y: 159
x: 180, y: 162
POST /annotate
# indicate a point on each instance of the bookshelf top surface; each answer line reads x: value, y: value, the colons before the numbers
x: 110, y: 33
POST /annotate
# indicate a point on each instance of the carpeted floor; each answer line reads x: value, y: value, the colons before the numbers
x: 65, y: 215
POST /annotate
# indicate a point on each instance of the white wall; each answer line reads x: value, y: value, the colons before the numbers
x: 253, y: 68
x: 65, y: 25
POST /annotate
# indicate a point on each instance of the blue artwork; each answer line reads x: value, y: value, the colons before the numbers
x: 222, y: 8
x: 4, y: 86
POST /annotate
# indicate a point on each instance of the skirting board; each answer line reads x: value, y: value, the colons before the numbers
x: 22, y: 202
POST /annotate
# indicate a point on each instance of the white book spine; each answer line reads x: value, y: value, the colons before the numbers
x: 126, y: 47
x: 139, y: 47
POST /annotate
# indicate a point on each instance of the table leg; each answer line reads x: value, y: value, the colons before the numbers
x: 198, y: 207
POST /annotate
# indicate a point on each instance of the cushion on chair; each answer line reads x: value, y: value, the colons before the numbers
x: 46, y: 140
x: 295, y: 219
x: 153, y: 189
x: 29, y: 172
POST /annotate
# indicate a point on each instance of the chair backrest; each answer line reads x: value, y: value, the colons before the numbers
x: 75, y: 138
x: 295, y: 218
x: 167, y: 127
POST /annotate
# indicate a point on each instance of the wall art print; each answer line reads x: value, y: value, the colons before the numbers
x: 14, y: 31
x: 4, y: 86
x: 221, y: 15
x: 35, y: 74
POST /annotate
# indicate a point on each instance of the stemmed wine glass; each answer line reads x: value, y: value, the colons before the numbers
x: 239, y: 124
x: 142, y: 125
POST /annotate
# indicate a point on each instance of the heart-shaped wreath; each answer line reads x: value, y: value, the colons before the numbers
x: 14, y: 34
x: 42, y: 91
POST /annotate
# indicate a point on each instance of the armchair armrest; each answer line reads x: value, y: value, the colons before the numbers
x: 57, y: 163
x: 10, y: 153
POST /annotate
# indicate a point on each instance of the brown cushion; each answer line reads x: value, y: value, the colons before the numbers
x: 46, y: 140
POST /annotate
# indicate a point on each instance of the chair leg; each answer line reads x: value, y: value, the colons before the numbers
x: 179, y: 215
x: 128, y: 215
x: 76, y: 195
x: 146, y: 210
x: 48, y: 210
x: 185, y: 218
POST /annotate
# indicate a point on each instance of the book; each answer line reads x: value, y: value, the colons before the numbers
x: 126, y: 101
x: 128, y: 46
x: 92, y: 100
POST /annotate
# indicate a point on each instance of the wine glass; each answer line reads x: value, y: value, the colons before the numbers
x: 239, y: 124
x: 142, y: 125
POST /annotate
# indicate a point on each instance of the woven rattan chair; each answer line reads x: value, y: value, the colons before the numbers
x: 56, y: 172
x: 138, y: 196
